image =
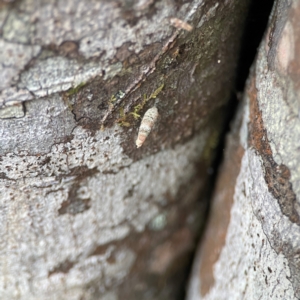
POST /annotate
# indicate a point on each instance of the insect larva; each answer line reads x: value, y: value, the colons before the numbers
x: 147, y: 123
x: 181, y: 24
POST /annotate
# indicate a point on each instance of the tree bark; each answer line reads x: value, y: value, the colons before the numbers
x: 251, y: 246
x: 84, y: 213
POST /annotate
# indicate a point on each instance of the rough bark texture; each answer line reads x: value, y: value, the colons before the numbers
x: 252, y: 243
x: 84, y: 214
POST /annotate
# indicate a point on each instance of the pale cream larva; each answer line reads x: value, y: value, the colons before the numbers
x: 147, y: 123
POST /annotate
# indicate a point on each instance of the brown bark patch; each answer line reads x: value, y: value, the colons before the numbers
x: 276, y: 176
x: 63, y: 267
x: 165, y: 254
x: 215, y: 235
x: 74, y: 204
x: 69, y: 49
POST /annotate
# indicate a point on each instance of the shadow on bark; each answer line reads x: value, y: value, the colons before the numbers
x: 254, y: 30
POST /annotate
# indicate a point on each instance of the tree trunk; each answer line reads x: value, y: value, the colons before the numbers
x: 84, y: 213
x: 252, y: 243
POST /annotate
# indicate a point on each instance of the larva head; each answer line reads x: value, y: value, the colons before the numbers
x: 140, y: 140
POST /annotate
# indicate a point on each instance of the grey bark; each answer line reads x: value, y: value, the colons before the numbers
x: 251, y: 246
x: 84, y: 214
